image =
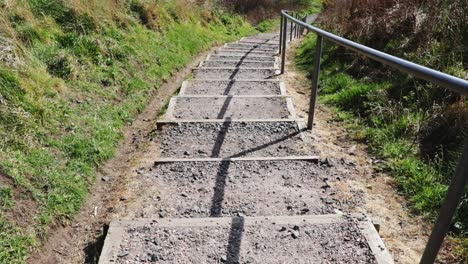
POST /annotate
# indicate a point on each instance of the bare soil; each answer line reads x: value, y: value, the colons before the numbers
x: 229, y: 107
x: 233, y: 87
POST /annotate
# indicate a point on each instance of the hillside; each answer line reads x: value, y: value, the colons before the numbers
x: 72, y: 75
x: 416, y: 127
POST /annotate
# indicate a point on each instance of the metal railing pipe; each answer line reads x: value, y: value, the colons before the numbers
x: 447, y: 81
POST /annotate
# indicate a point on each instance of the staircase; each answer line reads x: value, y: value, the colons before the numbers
x: 239, y: 182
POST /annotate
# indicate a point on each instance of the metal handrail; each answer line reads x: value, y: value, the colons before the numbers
x: 460, y: 178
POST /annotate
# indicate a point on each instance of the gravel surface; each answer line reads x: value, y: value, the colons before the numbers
x: 231, y: 188
x: 253, y: 57
x: 197, y: 87
x: 203, y: 73
x: 237, y: 63
x: 239, y: 52
x: 230, y: 107
x: 261, y: 139
x: 252, y: 46
x: 238, y: 242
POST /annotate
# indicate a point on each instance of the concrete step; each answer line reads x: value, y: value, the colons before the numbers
x: 239, y: 52
x: 235, y: 73
x: 238, y: 57
x: 274, y: 239
x: 240, y: 64
x: 235, y: 107
x: 233, y: 87
x: 231, y: 138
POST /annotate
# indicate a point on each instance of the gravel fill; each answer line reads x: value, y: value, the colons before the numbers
x: 231, y: 188
x: 203, y: 73
x: 237, y: 242
x: 253, y: 57
x: 237, y: 63
x: 230, y: 107
x: 252, y: 46
x: 238, y: 52
x: 213, y: 139
x: 197, y: 87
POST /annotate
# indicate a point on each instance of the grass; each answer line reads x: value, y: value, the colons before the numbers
x: 78, y: 76
x: 393, y: 120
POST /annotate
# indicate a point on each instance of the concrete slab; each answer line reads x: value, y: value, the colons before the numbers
x: 221, y: 107
x: 235, y: 73
x: 238, y: 57
x: 238, y: 64
x: 298, y: 239
x: 233, y: 87
x: 232, y: 139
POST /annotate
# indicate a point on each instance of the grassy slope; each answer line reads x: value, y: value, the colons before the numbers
x: 73, y: 75
x: 391, y: 127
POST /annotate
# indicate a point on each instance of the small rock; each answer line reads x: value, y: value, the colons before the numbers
x: 183, y: 194
x: 295, y: 234
x: 223, y: 259
x: 186, y: 153
x: 282, y: 229
x: 123, y: 198
x: 122, y: 254
x: 105, y: 178
x: 296, y: 227
x: 352, y: 150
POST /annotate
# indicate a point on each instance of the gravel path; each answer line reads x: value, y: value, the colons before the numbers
x: 230, y: 107
x: 233, y: 87
x: 232, y: 139
x: 219, y: 209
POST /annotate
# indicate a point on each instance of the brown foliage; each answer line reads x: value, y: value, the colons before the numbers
x: 258, y: 10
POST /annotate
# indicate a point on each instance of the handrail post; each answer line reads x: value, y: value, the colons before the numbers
x: 283, y: 53
x: 315, y: 79
x: 290, y: 31
x: 281, y: 34
x: 447, y: 211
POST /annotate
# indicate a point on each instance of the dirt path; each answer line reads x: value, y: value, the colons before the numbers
x: 131, y: 186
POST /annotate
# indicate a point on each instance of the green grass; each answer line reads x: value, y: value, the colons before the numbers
x: 81, y: 80
x: 392, y: 117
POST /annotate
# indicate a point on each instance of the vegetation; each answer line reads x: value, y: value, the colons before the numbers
x: 72, y: 75
x: 417, y: 127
